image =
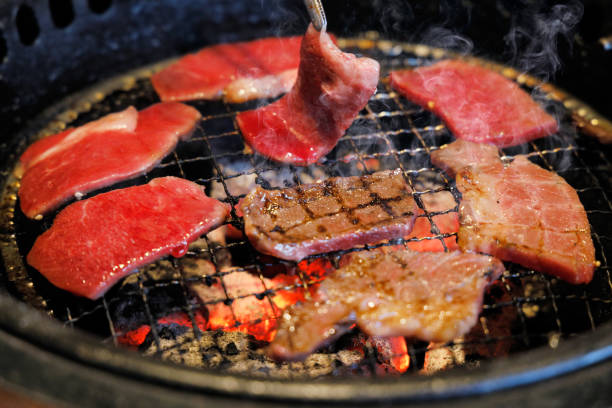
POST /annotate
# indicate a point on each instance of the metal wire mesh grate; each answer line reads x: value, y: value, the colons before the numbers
x: 217, y: 306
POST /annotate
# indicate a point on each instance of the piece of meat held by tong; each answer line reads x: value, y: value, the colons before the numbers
x: 335, y: 214
x: 426, y: 295
x: 330, y: 90
x: 519, y: 212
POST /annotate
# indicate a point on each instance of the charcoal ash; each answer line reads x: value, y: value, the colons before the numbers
x: 239, y: 353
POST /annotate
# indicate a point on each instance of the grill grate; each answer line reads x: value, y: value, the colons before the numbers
x: 192, y: 313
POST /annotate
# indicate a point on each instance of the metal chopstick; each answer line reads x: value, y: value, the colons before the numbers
x: 317, y: 14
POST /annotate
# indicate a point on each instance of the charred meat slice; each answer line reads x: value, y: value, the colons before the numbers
x: 242, y: 71
x: 476, y: 103
x: 101, y: 153
x: 330, y: 90
x: 430, y: 296
x: 95, y: 242
x: 519, y: 212
x: 339, y: 213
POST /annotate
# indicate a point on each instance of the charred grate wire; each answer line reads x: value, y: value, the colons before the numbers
x: 523, y: 309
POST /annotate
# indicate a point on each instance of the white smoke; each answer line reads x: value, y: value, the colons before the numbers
x: 534, y: 43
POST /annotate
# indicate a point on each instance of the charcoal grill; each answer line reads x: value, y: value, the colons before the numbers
x: 191, y: 337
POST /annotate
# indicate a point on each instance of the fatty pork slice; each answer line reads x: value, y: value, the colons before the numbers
x: 426, y: 295
x: 238, y: 72
x: 476, y: 103
x: 330, y: 90
x: 339, y: 213
x: 100, y: 153
x: 519, y: 212
x: 94, y: 243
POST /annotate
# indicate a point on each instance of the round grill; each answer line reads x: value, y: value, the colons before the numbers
x: 216, y: 307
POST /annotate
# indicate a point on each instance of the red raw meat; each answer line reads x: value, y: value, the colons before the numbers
x: 210, y: 71
x: 95, y: 242
x: 125, y: 120
x: 433, y: 296
x: 519, y: 212
x: 476, y: 103
x: 305, y: 124
x: 339, y: 213
x: 100, y: 153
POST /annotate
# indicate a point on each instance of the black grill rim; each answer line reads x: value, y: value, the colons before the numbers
x: 528, y: 367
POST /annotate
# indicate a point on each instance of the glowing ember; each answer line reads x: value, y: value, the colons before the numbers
x: 447, y: 224
x: 393, y: 351
x: 241, y: 301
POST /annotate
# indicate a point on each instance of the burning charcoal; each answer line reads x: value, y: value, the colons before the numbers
x: 440, y: 358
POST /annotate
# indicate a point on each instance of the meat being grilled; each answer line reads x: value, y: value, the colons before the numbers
x: 432, y: 296
x: 95, y: 242
x: 100, y: 153
x: 338, y: 213
x: 476, y: 103
x: 305, y: 124
x: 238, y: 72
x: 519, y: 212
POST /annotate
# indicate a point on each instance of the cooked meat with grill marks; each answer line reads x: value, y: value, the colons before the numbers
x: 519, y: 212
x: 339, y: 213
x: 100, y: 153
x: 330, y: 90
x: 426, y: 295
x: 476, y: 103
x: 242, y: 71
x: 95, y: 242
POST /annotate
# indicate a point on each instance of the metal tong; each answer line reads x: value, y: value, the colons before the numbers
x: 317, y: 14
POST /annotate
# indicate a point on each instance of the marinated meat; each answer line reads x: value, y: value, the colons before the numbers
x: 95, y: 242
x: 305, y: 124
x: 519, y: 212
x: 243, y: 71
x: 339, y: 213
x: 433, y: 296
x: 476, y: 103
x: 100, y: 153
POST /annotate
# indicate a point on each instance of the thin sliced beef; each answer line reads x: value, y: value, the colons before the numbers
x: 238, y: 69
x: 125, y: 120
x: 339, y: 213
x: 330, y: 90
x: 519, y: 212
x: 476, y: 103
x: 426, y: 295
x: 95, y: 242
x: 95, y: 155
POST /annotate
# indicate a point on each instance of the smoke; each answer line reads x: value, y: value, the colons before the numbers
x: 534, y: 42
x: 442, y: 37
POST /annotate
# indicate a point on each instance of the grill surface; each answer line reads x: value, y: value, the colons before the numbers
x: 189, y: 313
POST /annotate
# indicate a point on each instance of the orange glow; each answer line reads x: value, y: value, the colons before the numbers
x: 400, y: 360
x: 393, y: 351
x: 248, y: 313
x: 447, y: 224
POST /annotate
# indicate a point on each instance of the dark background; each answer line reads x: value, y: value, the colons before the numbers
x: 50, y: 48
